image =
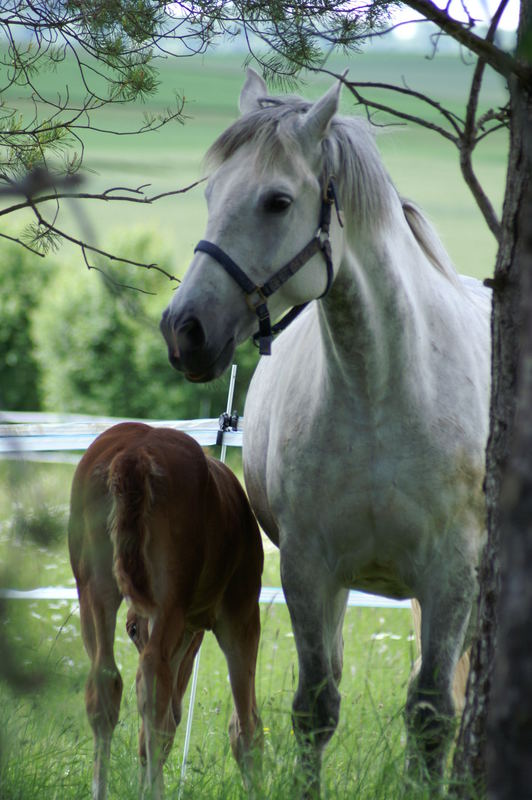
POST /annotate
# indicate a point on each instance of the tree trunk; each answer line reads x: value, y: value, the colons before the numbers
x: 497, y: 623
x: 509, y: 740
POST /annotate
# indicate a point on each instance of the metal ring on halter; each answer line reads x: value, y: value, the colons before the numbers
x: 261, y: 298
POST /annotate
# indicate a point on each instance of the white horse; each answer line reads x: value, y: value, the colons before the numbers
x: 365, y: 430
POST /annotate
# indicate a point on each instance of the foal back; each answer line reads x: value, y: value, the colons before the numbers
x: 180, y: 525
x: 155, y: 520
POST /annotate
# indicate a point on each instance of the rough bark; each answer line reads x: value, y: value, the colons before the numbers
x: 474, y: 753
x: 509, y: 733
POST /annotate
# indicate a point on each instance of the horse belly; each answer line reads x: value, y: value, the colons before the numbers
x: 382, y: 552
x: 378, y: 551
x: 378, y: 577
x: 379, y: 524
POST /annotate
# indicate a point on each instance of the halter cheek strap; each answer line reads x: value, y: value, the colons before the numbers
x: 257, y: 296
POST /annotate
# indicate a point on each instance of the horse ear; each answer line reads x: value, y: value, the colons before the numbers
x: 321, y: 113
x: 254, y: 88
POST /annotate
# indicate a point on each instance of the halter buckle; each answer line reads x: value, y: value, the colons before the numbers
x: 255, y: 299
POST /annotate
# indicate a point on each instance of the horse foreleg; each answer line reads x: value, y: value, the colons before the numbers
x: 431, y: 707
x: 103, y: 691
x: 238, y: 636
x: 317, y: 615
x: 461, y: 672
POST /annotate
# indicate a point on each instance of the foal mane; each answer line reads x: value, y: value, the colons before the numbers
x: 365, y: 188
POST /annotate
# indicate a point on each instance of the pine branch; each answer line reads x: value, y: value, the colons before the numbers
x: 30, y: 187
x: 49, y: 232
x: 448, y: 115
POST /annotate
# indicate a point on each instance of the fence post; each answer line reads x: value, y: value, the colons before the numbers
x: 193, y: 685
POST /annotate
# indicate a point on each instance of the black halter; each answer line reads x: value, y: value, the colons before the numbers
x: 257, y: 296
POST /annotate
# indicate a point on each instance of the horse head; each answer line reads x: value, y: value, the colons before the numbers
x: 267, y: 245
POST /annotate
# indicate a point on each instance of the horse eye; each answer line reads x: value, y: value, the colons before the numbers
x: 277, y: 203
x: 132, y: 631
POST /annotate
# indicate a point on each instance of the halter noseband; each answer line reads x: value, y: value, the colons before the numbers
x: 257, y: 296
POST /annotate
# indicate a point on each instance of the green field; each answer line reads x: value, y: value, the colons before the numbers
x: 423, y: 164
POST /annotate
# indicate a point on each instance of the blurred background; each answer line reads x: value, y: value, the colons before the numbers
x: 71, y: 341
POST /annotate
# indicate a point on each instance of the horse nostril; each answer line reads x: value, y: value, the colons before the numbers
x: 190, y: 335
x: 174, y: 360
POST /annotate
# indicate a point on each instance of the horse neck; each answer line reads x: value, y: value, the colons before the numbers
x: 376, y: 321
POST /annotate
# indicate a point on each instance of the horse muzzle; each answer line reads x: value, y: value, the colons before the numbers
x: 189, y: 351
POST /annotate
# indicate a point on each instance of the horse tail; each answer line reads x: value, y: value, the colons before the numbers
x: 429, y: 241
x: 130, y: 480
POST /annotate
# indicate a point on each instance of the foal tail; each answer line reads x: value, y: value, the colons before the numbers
x: 130, y: 482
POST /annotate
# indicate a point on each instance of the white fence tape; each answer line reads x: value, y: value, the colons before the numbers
x: 269, y: 595
x: 21, y: 438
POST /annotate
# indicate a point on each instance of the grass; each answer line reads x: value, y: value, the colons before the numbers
x: 47, y: 743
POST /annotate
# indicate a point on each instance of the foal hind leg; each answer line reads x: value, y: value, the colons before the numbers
x: 430, y: 708
x: 317, y: 614
x: 157, y: 678
x: 238, y: 635
x: 137, y: 629
x: 183, y: 676
x: 99, y: 602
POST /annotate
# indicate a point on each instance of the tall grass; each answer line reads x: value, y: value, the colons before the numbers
x: 45, y: 755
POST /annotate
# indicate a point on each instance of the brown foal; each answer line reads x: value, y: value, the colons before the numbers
x: 155, y: 520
